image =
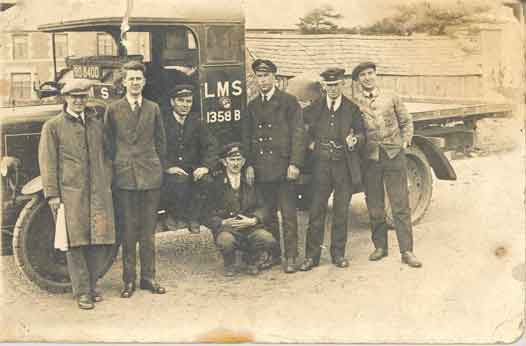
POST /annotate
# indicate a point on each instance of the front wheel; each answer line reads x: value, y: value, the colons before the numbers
x: 34, y: 252
x: 419, y: 183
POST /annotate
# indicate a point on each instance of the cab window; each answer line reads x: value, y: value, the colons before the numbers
x: 223, y: 43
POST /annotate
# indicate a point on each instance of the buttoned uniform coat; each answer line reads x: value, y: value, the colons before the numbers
x: 351, y: 119
x: 221, y: 204
x: 273, y: 136
x: 138, y: 149
x: 76, y: 168
x: 197, y: 148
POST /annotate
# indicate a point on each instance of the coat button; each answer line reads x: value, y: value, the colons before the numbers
x: 269, y: 126
x: 270, y: 152
x: 261, y: 152
x: 180, y: 158
x: 260, y: 126
x: 260, y: 139
x: 332, y: 124
x: 270, y: 138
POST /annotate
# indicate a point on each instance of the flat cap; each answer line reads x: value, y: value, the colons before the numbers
x: 361, y: 67
x: 333, y: 75
x: 234, y: 149
x: 182, y: 90
x: 264, y: 65
x: 77, y: 87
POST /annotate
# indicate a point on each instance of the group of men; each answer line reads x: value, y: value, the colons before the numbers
x: 108, y: 173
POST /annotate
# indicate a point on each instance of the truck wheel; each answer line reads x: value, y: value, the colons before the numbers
x: 34, y: 252
x: 420, y: 184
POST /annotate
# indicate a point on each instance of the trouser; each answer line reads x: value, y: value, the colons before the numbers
x: 281, y: 196
x: 137, y: 219
x: 185, y: 199
x: 329, y: 176
x: 85, y: 264
x: 250, y: 241
x: 393, y: 174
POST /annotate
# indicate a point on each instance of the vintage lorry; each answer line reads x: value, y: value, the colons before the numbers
x: 203, y: 42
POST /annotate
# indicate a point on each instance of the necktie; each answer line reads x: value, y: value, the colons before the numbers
x: 81, y: 119
x: 331, y: 109
x: 265, y: 98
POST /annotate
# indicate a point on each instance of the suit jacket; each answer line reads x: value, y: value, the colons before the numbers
x: 196, y: 148
x: 138, y: 148
x: 351, y: 119
x: 75, y: 167
x: 223, y: 205
x: 273, y: 136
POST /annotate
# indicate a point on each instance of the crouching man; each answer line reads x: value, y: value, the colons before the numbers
x: 76, y: 172
x: 236, y: 215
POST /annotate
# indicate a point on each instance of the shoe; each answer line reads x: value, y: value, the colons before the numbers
x: 96, y: 296
x: 128, y: 290
x: 410, y: 259
x: 290, y: 266
x: 252, y: 269
x: 195, y: 227
x: 276, y: 259
x: 308, y: 264
x: 265, y: 261
x: 84, y: 302
x: 152, y: 286
x: 378, y: 254
x: 340, y: 262
x: 229, y: 271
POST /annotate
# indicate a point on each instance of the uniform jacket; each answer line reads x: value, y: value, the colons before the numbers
x: 196, y: 148
x: 222, y: 204
x: 388, y: 123
x: 273, y: 136
x: 351, y: 119
x: 138, y: 149
x: 75, y: 168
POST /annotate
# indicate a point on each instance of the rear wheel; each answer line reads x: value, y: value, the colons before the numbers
x: 34, y: 251
x: 420, y: 185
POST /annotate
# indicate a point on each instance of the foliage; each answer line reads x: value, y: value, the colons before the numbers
x: 427, y: 17
x: 320, y: 21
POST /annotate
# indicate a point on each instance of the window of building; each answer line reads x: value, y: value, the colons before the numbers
x: 21, y: 86
x: 61, y: 45
x: 20, y: 47
x: 106, y: 45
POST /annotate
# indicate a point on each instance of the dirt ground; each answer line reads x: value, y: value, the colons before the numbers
x: 470, y: 289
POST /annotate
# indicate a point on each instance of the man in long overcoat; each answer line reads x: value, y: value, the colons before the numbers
x: 134, y: 126
x: 76, y: 172
x: 335, y: 132
x: 237, y: 215
x: 273, y: 136
x: 191, y: 157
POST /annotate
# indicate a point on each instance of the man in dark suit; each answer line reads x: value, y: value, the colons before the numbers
x: 135, y: 128
x: 236, y: 214
x: 191, y: 156
x: 335, y: 132
x: 273, y: 136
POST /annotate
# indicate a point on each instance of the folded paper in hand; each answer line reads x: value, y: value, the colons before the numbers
x: 61, y: 234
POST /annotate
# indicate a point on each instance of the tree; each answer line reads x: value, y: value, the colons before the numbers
x: 431, y: 18
x: 320, y: 21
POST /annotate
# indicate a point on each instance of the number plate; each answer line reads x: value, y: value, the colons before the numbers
x: 87, y: 72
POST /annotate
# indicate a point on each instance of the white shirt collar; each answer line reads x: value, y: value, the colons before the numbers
x: 337, y: 102
x: 132, y: 100
x: 269, y: 94
x: 179, y: 118
x: 76, y: 115
x: 234, y: 180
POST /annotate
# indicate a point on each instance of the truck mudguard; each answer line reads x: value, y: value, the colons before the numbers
x: 436, y: 158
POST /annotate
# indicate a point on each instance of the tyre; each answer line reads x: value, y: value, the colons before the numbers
x: 420, y: 185
x: 34, y: 251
